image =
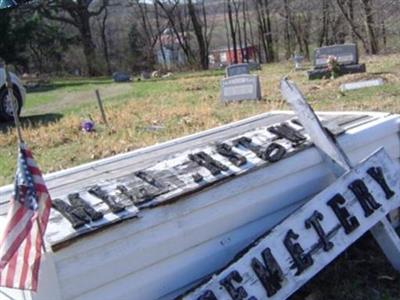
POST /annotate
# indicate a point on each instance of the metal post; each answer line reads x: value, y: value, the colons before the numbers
x: 100, y: 102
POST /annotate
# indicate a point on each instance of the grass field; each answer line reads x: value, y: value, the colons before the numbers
x: 142, y: 113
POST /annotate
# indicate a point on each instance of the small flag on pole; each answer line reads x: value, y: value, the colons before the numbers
x: 22, y: 240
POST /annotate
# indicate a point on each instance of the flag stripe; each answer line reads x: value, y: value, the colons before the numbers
x: 25, y: 267
x: 21, y: 243
x: 14, y: 220
x: 16, y: 243
x: 36, y: 264
x: 11, y: 270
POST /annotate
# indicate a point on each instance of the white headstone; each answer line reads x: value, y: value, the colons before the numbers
x: 240, y: 87
x: 361, y: 84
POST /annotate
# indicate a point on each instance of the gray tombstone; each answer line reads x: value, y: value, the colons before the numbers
x: 298, y: 59
x: 361, y: 84
x: 240, y: 87
x: 253, y: 65
x: 345, y: 54
x: 237, y: 69
x: 121, y: 77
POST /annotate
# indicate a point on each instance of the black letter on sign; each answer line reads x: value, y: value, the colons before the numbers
x: 236, y: 294
x: 313, y: 221
x: 206, y: 161
x: 367, y: 201
x: 269, y: 275
x: 273, y: 153
x: 234, y: 157
x: 348, y: 222
x: 377, y: 174
x: 301, y: 261
x: 287, y: 132
x: 207, y: 295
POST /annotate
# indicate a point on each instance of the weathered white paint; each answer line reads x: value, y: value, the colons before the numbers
x: 384, y: 234
x: 311, y: 123
x: 388, y: 240
x: 360, y: 84
x: 170, y: 247
x: 308, y: 237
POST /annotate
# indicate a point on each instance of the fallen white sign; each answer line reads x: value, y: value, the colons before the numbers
x: 361, y: 84
x: 284, y: 259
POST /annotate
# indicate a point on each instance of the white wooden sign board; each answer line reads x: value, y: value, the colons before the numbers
x: 303, y: 244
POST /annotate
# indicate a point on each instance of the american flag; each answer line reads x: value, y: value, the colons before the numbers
x: 22, y: 239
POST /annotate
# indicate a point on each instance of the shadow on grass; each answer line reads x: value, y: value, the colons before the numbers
x: 32, y: 121
x: 65, y: 84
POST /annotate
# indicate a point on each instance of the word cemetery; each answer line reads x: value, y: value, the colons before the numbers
x: 294, y: 251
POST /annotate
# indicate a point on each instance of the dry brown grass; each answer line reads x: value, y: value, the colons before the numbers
x: 178, y: 106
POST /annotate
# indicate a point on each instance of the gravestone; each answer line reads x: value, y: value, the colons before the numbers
x: 237, y: 69
x: 253, y: 65
x: 298, y: 59
x: 346, y: 56
x: 240, y: 87
x: 283, y: 259
x: 121, y: 77
x: 361, y: 84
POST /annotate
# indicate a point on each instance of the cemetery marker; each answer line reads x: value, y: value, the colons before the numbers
x: 361, y: 84
x: 346, y: 56
x: 237, y: 69
x: 293, y: 252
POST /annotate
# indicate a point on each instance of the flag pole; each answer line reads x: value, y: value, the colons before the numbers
x: 14, y: 104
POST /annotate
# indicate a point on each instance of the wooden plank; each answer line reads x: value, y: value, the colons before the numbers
x: 389, y: 241
x: 312, y: 124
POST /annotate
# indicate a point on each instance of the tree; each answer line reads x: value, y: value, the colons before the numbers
x: 179, y: 24
x: 232, y: 29
x: 265, y: 28
x: 15, y: 31
x: 103, y: 35
x: 78, y: 14
x: 370, y: 26
x: 201, y: 36
x: 137, y: 44
x: 47, y: 44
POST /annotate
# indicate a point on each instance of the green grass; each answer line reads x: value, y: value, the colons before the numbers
x: 187, y: 103
x: 184, y: 103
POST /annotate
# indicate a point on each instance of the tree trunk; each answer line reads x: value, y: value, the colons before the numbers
x: 323, y: 36
x: 104, y: 42
x: 352, y: 24
x: 201, y: 40
x: 233, y: 33
x: 288, y: 47
x: 244, y: 24
x: 369, y: 26
x: 268, y: 32
x: 88, y: 46
x: 350, y: 5
x: 159, y: 33
x: 383, y: 32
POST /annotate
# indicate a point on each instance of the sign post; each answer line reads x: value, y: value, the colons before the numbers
x: 285, y: 258
x: 383, y: 232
